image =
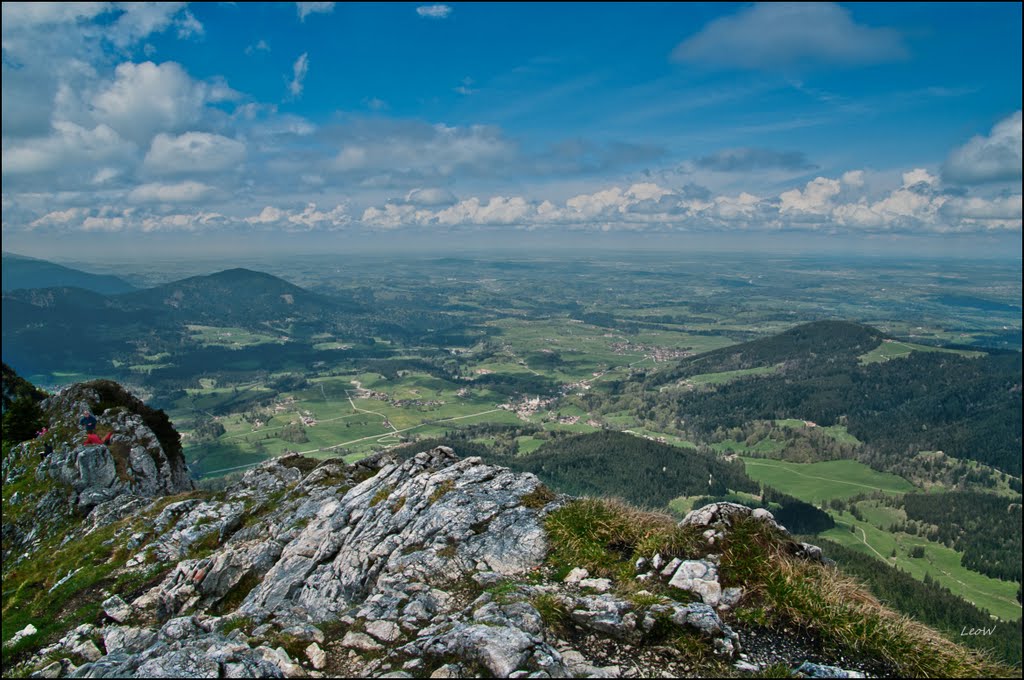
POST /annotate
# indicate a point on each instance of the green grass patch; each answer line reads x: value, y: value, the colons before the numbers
x: 606, y: 537
x: 940, y: 563
x: 896, y: 349
x: 821, y: 482
x: 439, y: 492
x: 728, y: 376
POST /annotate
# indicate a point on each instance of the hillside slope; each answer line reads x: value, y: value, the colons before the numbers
x: 20, y: 272
x: 968, y: 407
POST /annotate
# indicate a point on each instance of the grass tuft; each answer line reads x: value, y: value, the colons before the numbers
x: 539, y: 497
x: 607, y: 536
x: 783, y: 591
x: 442, y: 488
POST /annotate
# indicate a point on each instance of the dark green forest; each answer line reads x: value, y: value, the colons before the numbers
x: 969, y: 408
x: 986, y: 528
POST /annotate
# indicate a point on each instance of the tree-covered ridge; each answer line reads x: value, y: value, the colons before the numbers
x: 20, y: 272
x: 986, y: 528
x: 969, y: 408
x: 644, y: 472
x: 806, y: 342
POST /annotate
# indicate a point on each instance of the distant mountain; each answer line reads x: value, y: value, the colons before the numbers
x: 20, y: 272
x: 76, y: 329
x: 233, y: 297
x: 803, y: 343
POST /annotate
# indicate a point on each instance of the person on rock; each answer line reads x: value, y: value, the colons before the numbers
x: 88, y: 421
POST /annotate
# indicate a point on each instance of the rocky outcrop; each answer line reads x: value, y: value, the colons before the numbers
x: 65, y: 478
x: 143, y: 457
x: 432, y: 566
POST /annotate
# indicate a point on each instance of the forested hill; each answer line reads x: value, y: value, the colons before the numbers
x: 808, y: 342
x: 967, y: 407
x: 21, y: 272
x: 644, y: 472
x: 234, y: 296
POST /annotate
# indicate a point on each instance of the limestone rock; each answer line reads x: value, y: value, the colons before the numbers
x: 700, y: 577
x: 117, y: 609
x: 316, y: 656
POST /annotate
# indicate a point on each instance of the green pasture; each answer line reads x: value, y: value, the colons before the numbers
x: 940, y: 562
x: 765, y: 446
x: 897, y: 349
x: 728, y: 376
x: 837, y: 432
x: 819, y: 483
x: 229, y: 336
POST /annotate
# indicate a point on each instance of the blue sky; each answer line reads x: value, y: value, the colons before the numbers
x: 309, y: 124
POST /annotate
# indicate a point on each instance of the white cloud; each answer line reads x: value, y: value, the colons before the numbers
x: 854, y: 178
x: 58, y: 217
x: 68, y: 146
x: 306, y: 8
x: 995, y: 158
x: 499, y: 210
x: 140, y: 19
x: 424, y: 150
x: 770, y: 35
x: 823, y: 204
x: 816, y: 196
x: 193, y: 152
x: 434, y: 11
x: 430, y: 197
x: 919, y: 176
x: 261, y: 46
x: 182, y: 222
x: 146, y: 98
x: 43, y: 13
x: 118, y: 223
x: 299, y: 70
x: 1001, y: 209
x: 189, y: 26
x: 182, y: 192
x: 307, y: 218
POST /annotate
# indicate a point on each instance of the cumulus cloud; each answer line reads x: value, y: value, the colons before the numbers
x: 306, y: 8
x: 430, y: 197
x: 182, y: 192
x: 193, y: 152
x: 750, y: 158
x: 145, y: 98
x: 307, y: 218
x: 68, y: 146
x: 299, y: 70
x: 992, y: 158
x: 823, y: 204
x: 816, y: 196
x: 770, y: 35
x: 434, y: 11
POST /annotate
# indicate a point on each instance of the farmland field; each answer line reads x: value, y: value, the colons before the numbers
x: 821, y: 482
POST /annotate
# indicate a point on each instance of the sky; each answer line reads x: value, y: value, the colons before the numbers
x: 213, y: 128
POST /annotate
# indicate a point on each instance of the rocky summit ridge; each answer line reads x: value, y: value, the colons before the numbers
x: 432, y: 566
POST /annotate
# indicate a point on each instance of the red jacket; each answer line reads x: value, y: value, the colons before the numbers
x: 93, y: 438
